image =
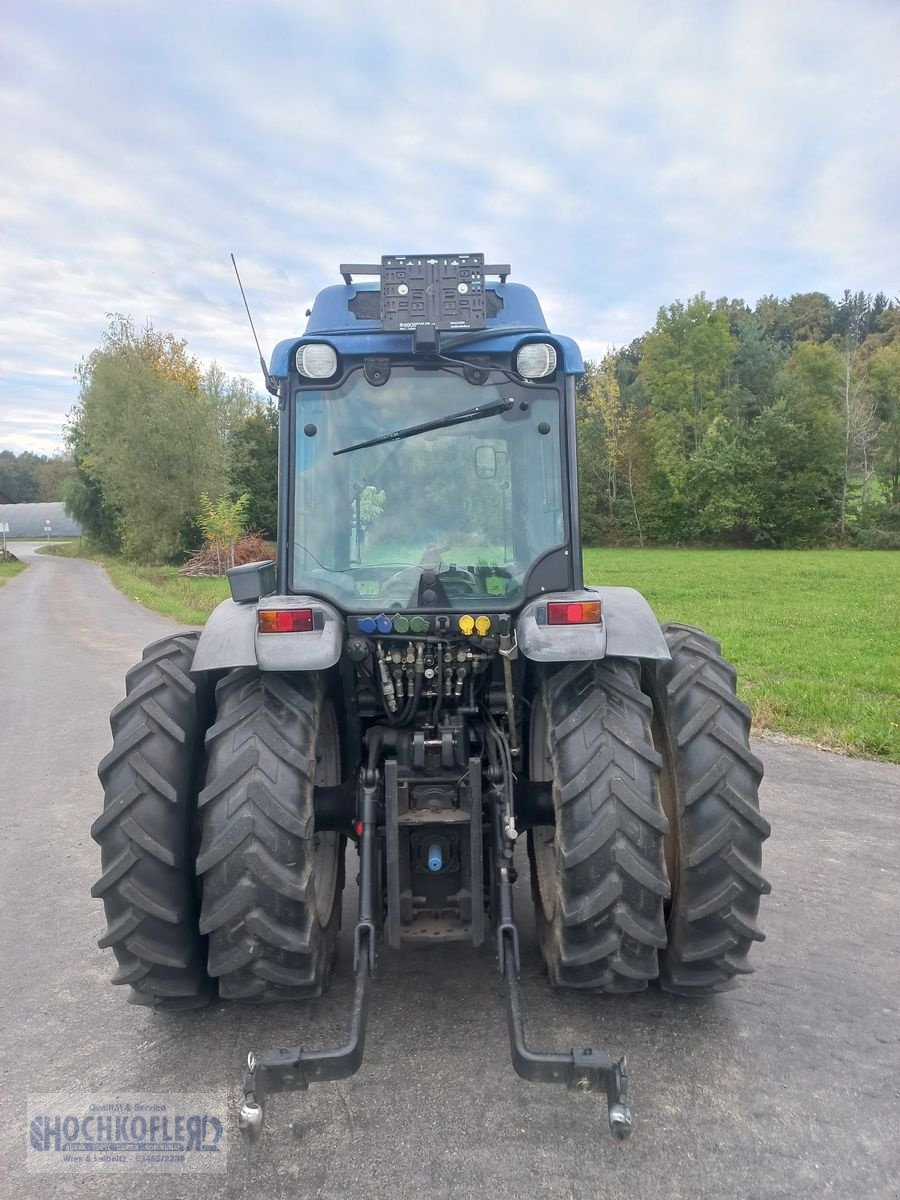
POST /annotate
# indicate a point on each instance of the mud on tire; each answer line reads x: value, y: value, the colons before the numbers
x: 146, y: 829
x: 710, y: 789
x: 271, y: 887
x: 598, y: 878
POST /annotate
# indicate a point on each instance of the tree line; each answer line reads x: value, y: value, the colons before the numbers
x: 29, y: 478
x: 153, y: 436
x: 777, y: 425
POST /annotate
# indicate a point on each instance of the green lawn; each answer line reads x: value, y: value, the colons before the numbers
x: 9, y: 569
x: 815, y: 634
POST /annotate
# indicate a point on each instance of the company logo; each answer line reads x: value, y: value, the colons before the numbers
x: 138, y: 1132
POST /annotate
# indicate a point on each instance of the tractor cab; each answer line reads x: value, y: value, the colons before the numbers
x: 427, y: 436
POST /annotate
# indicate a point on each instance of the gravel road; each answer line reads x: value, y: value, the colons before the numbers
x: 786, y: 1087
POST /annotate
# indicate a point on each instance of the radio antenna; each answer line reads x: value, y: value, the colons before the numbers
x: 271, y: 385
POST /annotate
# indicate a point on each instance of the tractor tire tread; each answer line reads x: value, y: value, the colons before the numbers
x: 266, y: 942
x: 713, y: 916
x: 145, y: 829
x: 611, y: 881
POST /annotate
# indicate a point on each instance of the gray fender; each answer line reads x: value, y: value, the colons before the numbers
x: 230, y: 638
x: 627, y: 629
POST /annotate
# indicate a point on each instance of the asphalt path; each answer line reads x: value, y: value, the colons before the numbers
x: 787, y: 1087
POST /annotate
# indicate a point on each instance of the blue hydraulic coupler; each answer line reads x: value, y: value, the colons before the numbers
x: 435, y: 858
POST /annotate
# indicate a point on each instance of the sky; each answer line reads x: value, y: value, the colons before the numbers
x: 618, y: 155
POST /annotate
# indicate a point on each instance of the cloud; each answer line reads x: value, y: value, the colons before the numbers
x: 618, y: 155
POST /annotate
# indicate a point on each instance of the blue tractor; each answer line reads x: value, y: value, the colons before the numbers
x: 423, y: 673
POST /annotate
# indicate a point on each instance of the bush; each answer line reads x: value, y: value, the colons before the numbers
x: 878, y: 539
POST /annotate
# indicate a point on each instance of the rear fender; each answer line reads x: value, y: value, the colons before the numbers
x: 230, y: 638
x: 627, y: 629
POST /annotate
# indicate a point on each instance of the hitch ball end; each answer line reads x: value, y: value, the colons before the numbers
x: 621, y: 1121
x: 250, y: 1121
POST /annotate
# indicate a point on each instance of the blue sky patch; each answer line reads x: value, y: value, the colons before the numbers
x: 619, y: 156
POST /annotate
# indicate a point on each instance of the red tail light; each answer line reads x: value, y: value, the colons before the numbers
x: 285, y: 620
x: 584, y: 612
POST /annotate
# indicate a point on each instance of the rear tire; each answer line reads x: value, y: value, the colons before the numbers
x: 710, y: 789
x: 271, y: 885
x: 146, y: 829
x: 598, y: 878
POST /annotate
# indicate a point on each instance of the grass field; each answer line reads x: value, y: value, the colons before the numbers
x: 8, y: 570
x: 815, y: 634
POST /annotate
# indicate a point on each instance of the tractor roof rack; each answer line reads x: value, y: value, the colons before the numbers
x: 348, y: 270
x: 443, y: 290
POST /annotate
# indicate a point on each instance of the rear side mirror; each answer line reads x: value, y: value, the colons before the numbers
x: 485, y: 462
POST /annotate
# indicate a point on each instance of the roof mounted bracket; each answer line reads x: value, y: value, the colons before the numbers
x: 348, y: 270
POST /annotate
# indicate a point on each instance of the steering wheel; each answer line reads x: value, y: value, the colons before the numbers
x: 407, y: 578
x: 459, y: 575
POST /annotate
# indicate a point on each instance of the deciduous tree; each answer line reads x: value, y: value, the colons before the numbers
x: 685, y: 368
x: 884, y: 374
x: 252, y: 454
x: 148, y: 438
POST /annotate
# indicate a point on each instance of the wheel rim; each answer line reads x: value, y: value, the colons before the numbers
x: 543, y: 837
x: 326, y: 846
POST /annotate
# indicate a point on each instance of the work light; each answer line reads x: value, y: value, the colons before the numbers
x: 317, y: 361
x: 536, y: 360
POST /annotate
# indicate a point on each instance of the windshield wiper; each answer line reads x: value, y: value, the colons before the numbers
x: 460, y: 418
